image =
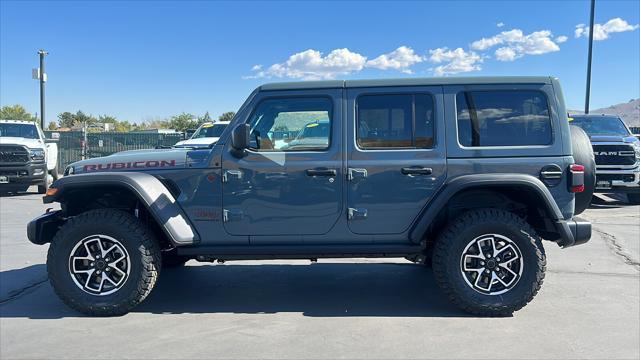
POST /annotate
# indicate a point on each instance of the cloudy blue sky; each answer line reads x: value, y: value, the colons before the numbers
x: 150, y: 59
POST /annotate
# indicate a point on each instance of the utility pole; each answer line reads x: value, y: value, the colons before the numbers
x: 43, y: 79
x: 586, y: 100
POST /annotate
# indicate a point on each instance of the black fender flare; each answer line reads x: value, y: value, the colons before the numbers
x: 481, y: 181
x: 151, y: 192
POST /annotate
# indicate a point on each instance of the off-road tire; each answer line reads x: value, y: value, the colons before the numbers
x: 170, y: 259
x: 633, y: 199
x: 470, y: 225
x: 138, y: 241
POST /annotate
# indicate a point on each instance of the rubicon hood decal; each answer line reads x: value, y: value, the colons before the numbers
x: 134, y: 160
x: 130, y: 165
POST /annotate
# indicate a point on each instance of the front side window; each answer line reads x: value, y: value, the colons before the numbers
x: 291, y: 124
x: 503, y: 118
x: 395, y: 121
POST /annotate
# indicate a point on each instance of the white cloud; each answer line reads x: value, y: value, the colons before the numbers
x: 256, y: 67
x: 506, y: 54
x: 602, y: 31
x: 500, y: 24
x: 311, y: 65
x: 400, y: 59
x: 517, y: 44
x: 560, y: 39
x: 456, y: 61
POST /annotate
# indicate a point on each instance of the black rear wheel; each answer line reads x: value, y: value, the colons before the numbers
x: 489, y: 262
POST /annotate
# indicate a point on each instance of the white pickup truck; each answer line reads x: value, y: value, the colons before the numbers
x: 26, y: 157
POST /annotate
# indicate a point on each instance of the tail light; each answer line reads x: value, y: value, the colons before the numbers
x: 576, y: 182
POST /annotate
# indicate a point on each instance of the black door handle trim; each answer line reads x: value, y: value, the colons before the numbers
x: 415, y: 170
x: 321, y: 172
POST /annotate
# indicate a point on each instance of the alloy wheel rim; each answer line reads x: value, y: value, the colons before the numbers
x: 491, y: 264
x: 99, y: 265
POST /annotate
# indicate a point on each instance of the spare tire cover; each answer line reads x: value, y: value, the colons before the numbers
x: 583, y: 155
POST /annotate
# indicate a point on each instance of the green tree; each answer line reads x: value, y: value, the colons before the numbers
x: 16, y: 112
x: 52, y: 125
x: 67, y: 119
x: 183, y: 122
x: 227, y: 116
x: 204, y: 118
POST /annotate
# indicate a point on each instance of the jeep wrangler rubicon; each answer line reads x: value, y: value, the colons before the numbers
x: 465, y: 174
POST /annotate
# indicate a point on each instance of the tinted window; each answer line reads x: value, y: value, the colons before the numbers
x: 19, y: 130
x: 395, y: 121
x: 503, y: 118
x: 293, y: 124
x: 209, y: 130
x: 600, y: 125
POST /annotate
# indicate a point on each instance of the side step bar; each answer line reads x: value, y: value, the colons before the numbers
x: 267, y: 252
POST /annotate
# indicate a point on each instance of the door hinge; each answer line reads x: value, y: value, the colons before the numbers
x: 353, y: 173
x: 357, y: 214
x: 228, y: 174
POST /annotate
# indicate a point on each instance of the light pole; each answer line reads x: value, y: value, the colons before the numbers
x: 586, y: 100
x: 43, y: 78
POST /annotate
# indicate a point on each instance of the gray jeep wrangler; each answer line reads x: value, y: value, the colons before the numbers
x: 467, y: 175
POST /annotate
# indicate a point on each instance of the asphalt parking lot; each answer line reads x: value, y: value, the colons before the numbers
x: 589, y: 306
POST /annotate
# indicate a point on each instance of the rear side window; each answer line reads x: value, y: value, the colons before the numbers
x: 395, y: 121
x: 503, y: 118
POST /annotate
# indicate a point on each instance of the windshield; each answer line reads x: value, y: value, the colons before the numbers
x: 18, y: 130
x: 601, y: 125
x: 209, y: 130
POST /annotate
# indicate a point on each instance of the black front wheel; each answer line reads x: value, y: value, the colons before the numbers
x: 489, y: 262
x: 103, y: 262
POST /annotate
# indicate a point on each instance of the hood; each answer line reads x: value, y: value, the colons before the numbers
x: 629, y: 139
x: 134, y: 160
x: 30, y: 143
x: 199, y: 142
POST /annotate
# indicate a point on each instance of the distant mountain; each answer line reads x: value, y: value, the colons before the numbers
x: 629, y: 112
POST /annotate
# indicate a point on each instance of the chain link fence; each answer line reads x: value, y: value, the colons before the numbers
x: 70, y: 144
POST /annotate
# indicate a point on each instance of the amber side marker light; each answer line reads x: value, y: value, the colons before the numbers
x: 52, y: 191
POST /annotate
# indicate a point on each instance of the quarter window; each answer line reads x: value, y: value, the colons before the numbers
x: 503, y: 118
x: 395, y: 121
x: 293, y: 124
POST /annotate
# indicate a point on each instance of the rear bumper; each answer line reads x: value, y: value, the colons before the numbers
x: 574, y: 231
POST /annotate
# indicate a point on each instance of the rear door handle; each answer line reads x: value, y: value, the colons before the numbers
x: 417, y: 170
x: 321, y: 172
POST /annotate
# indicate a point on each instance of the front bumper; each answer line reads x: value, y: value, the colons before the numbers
x: 574, y: 231
x: 618, y: 178
x: 27, y: 174
x: 42, y: 229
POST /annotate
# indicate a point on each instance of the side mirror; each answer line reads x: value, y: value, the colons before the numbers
x: 240, y: 138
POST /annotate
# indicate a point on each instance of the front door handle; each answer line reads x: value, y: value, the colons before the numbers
x: 416, y: 170
x: 321, y: 172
